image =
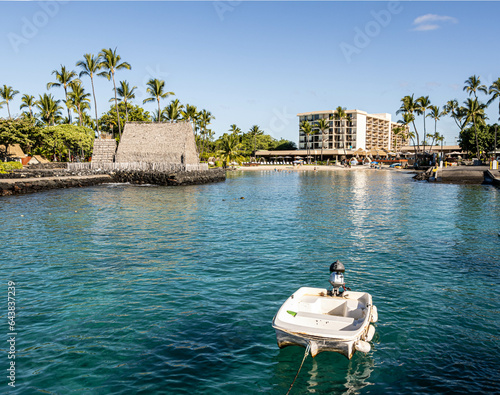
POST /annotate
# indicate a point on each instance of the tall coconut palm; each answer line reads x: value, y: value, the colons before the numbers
x: 110, y: 61
x: 156, y: 89
x: 307, y: 129
x: 50, y: 110
x: 475, y: 113
x: 90, y: 66
x: 407, y: 119
x: 28, y: 102
x: 7, y: 93
x: 78, y: 99
x: 410, y: 105
x: 63, y: 78
x: 190, y: 113
x: 229, y: 146
x: 424, y: 103
x: 205, y: 117
x: 472, y: 86
x: 396, y: 132
x: 450, y: 108
x: 126, y: 94
x: 173, y: 110
x: 494, y: 91
x: 434, y: 113
x: 157, y: 116
x: 234, y: 129
x: 254, y: 132
x: 323, y: 125
x: 341, y: 115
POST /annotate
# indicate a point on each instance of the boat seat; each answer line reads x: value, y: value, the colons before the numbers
x: 347, y: 320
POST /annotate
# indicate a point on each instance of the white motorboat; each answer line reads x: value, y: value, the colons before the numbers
x: 336, y: 320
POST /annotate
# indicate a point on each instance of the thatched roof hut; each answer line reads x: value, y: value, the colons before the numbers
x: 158, y: 143
x: 13, y: 151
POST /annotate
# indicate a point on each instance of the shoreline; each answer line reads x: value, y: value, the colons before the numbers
x: 309, y: 168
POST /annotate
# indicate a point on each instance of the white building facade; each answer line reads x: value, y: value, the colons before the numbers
x: 359, y: 131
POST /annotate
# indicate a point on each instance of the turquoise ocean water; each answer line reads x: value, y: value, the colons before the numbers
x: 124, y: 289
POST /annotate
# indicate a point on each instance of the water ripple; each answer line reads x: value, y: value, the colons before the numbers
x: 172, y: 290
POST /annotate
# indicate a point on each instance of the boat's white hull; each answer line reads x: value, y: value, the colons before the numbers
x: 318, y: 344
x: 311, y: 317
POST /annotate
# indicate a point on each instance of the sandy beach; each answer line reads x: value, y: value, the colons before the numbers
x: 300, y: 168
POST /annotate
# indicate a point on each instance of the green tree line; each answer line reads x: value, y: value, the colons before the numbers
x: 475, y: 135
x: 46, y: 113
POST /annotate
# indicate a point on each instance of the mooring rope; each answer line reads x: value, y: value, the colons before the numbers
x: 298, y: 371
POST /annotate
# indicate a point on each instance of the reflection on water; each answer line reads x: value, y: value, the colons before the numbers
x: 172, y: 290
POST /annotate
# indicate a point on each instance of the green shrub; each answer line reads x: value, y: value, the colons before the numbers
x: 7, y: 167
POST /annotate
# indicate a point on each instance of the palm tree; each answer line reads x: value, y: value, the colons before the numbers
x: 495, y: 92
x: 63, y: 78
x: 157, y: 116
x: 110, y: 61
x: 451, y: 108
x: 126, y: 93
x: 322, y: 125
x: 50, y: 110
x: 396, y: 132
x: 440, y: 138
x: 78, y: 99
x: 341, y: 115
x: 424, y: 103
x: 407, y: 119
x: 475, y: 112
x: 173, y: 110
x: 234, y: 129
x: 307, y: 129
x: 254, y: 132
x: 435, y: 113
x: 28, y: 102
x: 190, y: 113
x: 205, y: 117
x: 229, y: 146
x: 472, y: 86
x: 7, y: 93
x: 156, y: 89
x: 90, y: 66
x: 410, y: 105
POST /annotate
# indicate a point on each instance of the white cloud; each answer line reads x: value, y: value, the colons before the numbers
x: 427, y: 27
x: 429, y: 22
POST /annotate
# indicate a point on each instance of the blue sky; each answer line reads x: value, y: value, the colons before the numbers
x: 262, y: 62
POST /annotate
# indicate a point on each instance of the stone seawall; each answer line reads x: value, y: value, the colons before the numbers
x: 172, y: 178
x: 31, y: 185
x: 37, y: 181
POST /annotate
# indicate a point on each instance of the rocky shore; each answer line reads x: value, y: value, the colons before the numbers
x: 173, y: 178
x: 17, y: 186
x: 40, y: 179
x: 454, y: 175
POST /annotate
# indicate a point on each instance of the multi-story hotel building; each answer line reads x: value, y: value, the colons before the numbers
x: 359, y: 130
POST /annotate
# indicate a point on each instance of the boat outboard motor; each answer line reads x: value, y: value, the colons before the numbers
x: 337, y: 270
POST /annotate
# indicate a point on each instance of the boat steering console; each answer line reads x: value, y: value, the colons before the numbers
x: 337, y: 270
